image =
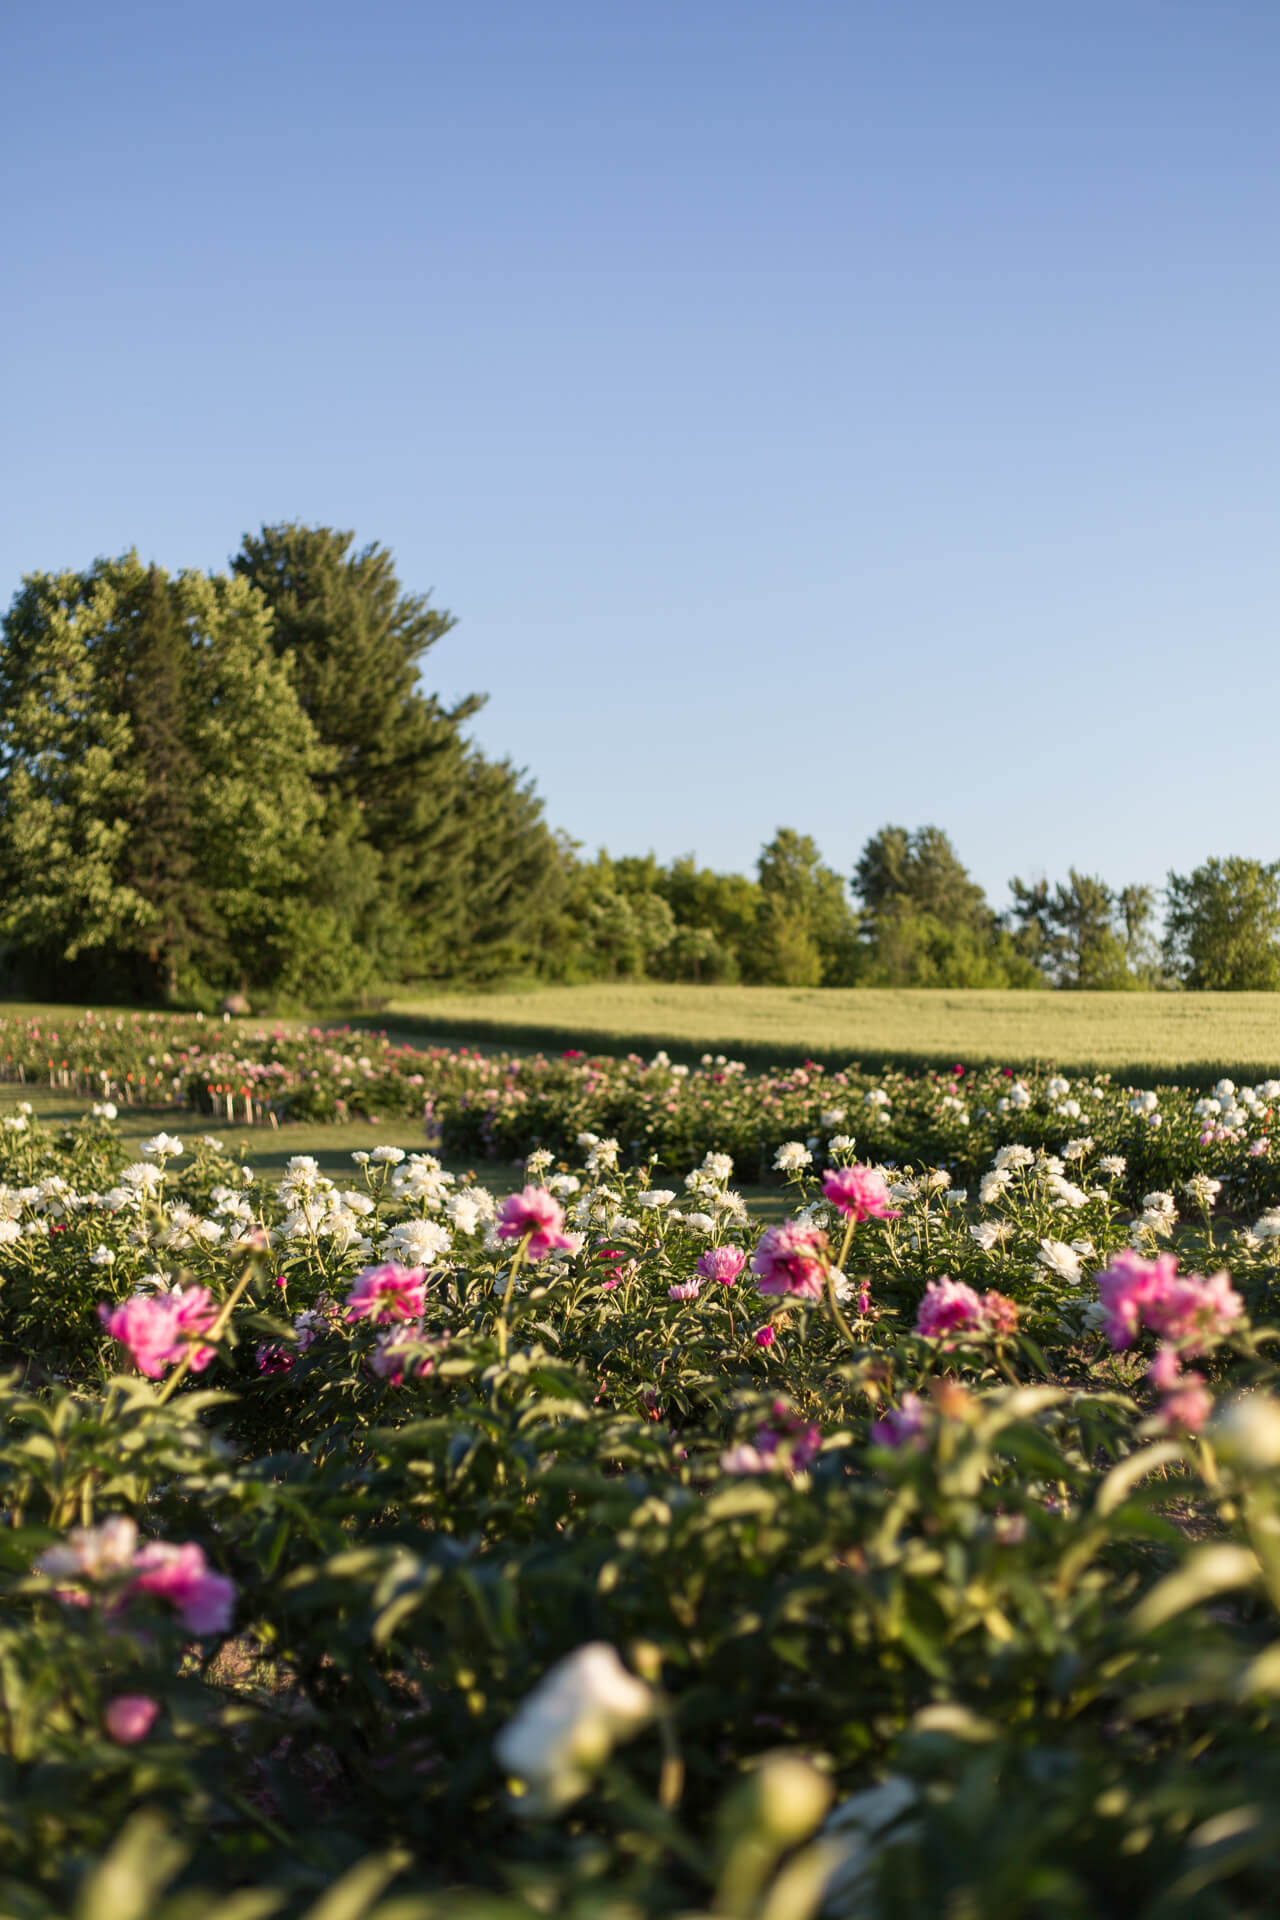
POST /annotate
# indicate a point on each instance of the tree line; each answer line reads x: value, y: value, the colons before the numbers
x: 236, y: 781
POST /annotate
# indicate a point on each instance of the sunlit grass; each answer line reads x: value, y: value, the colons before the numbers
x: 1189, y: 1035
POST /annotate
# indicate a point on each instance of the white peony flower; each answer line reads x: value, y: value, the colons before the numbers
x: 161, y: 1146
x: 568, y: 1726
x: 417, y: 1243
x: 989, y: 1233
x: 1061, y: 1260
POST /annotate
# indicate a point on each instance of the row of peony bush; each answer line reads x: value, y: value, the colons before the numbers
x: 603, y: 1550
x: 483, y: 1106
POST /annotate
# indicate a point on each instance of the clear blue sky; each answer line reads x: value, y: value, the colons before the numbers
x: 815, y: 414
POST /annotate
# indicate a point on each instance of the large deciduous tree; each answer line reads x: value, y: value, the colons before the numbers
x: 1223, y: 925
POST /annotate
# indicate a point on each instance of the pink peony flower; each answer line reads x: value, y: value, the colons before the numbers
x: 194, y: 1312
x: 901, y: 1426
x: 202, y: 1600
x: 1188, y: 1408
x: 1186, y: 1403
x: 537, y: 1213
x: 387, y: 1294
x: 949, y: 1306
x: 1187, y: 1309
x: 721, y: 1263
x: 858, y: 1191
x: 685, y: 1290
x: 399, y: 1352
x: 1127, y: 1287
x: 130, y: 1717
x: 789, y: 1451
x: 999, y: 1313
x: 156, y: 1329
x: 1194, y: 1311
x: 1165, y: 1370
x: 789, y: 1260
x: 764, y: 1336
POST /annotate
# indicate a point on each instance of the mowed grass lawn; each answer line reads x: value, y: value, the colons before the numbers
x: 1187, y: 1036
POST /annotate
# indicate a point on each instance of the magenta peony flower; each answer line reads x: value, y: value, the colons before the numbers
x: 858, y: 1191
x: 535, y: 1212
x: 130, y: 1717
x: 388, y: 1294
x: 721, y: 1263
x: 789, y: 1260
x: 180, y: 1574
x: 764, y: 1336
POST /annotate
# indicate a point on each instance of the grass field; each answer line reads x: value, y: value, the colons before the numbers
x: 1184, y: 1036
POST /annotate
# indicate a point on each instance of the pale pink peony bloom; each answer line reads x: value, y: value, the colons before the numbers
x: 858, y: 1191
x: 156, y: 1329
x: 203, y: 1600
x: 537, y: 1213
x: 93, y: 1553
x: 388, y: 1294
x: 721, y: 1263
x: 790, y: 1260
x: 685, y: 1290
x: 130, y: 1717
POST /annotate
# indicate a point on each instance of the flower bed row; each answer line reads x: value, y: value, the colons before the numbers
x: 477, y: 1106
x: 603, y: 1551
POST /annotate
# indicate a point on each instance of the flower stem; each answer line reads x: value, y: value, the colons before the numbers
x: 516, y: 1265
x: 208, y: 1339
